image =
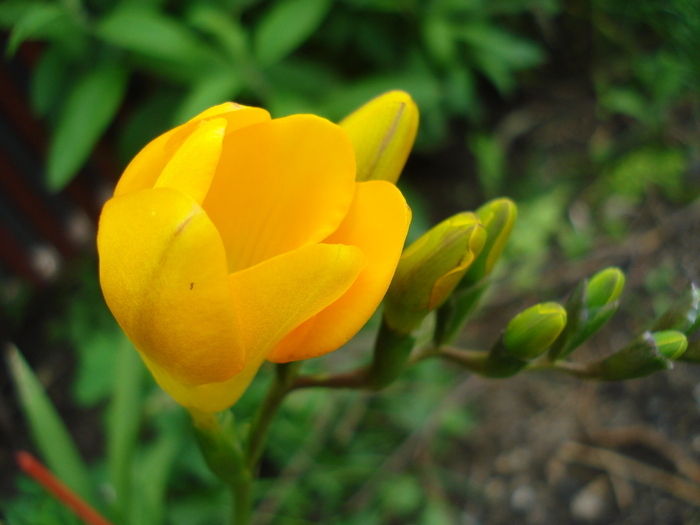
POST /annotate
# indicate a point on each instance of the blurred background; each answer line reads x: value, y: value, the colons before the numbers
x: 585, y: 112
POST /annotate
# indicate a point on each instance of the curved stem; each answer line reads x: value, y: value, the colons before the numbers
x: 580, y: 370
x: 282, y: 384
x: 358, y: 378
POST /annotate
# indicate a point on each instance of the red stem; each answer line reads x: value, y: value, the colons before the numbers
x: 33, y: 468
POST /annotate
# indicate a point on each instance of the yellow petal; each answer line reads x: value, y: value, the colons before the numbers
x: 272, y: 298
x: 275, y: 296
x: 377, y: 223
x: 145, y: 168
x: 280, y: 185
x: 192, y: 167
x: 382, y: 133
x: 164, y: 276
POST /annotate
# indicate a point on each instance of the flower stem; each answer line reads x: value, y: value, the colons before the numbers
x: 242, y: 498
x: 222, y: 451
x: 282, y: 384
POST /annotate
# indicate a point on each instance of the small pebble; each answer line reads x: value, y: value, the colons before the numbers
x: 591, y: 501
x: 523, y: 498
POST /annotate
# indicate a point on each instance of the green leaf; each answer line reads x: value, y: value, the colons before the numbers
x: 151, y: 475
x: 287, y: 25
x: 154, y: 35
x: 512, y: 51
x: 49, y: 80
x: 88, y: 110
x: 48, y: 430
x: 437, y: 33
x: 11, y: 11
x: 213, y: 89
x: 639, y: 169
x: 228, y: 31
x: 33, y: 23
x: 402, y: 496
x: 123, y: 420
x: 491, y: 162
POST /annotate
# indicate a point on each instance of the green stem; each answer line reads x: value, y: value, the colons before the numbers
x: 358, y: 378
x: 579, y: 370
x: 282, y: 384
x: 242, y: 500
x: 217, y: 438
x: 474, y: 360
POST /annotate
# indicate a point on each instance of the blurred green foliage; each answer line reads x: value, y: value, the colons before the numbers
x: 341, y: 458
x: 141, y: 66
x: 171, y: 60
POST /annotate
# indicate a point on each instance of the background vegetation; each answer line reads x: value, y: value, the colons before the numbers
x: 585, y: 112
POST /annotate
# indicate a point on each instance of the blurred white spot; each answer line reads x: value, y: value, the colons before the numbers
x: 45, y: 261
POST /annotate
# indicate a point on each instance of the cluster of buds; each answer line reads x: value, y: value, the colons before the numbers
x: 447, y: 271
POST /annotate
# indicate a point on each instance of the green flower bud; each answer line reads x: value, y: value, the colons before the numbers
x: 670, y: 343
x: 532, y: 331
x: 498, y: 217
x: 431, y: 268
x: 604, y: 288
x: 592, y: 303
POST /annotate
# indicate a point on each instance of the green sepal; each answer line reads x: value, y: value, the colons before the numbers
x: 692, y: 353
x: 220, y: 445
x: 391, y: 352
x: 576, y: 317
x: 500, y: 363
x: 682, y: 315
x: 640, y: 358
x: 458, y: 307
x: 498, y: 217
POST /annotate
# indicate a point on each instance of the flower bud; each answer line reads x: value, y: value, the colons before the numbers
x: 530, y: 332
x: 604, y: 288
x: 670, y: 343
x: 592, y: 303
x: 498, y: 217
x: 430, y: 269
x: 382, y: 133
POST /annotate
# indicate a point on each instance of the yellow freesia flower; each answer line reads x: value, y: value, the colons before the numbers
x: 235, y: 238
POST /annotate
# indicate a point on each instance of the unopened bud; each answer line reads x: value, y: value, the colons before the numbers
x: 498, y: 217
x: 532, y: 331
x: 430, y: 268
x: 670, y: 343
x: 382, y: 134
x: 604, y: 288
x: 589, y: 307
